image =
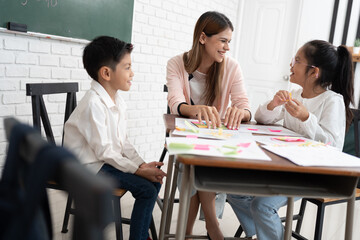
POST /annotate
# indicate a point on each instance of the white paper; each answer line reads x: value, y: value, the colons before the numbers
x: 315, y: 156
x: 217, y: 148
x: 267, y: 129
x: 274, y: 141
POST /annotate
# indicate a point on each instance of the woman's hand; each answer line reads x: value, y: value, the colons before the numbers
x: 280, y: 98
x: 297, y: 110
x: 208, y: 113
x: 234, y: 117
x: 151, y: 172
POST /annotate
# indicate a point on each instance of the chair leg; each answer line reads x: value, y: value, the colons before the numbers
x: 160, y: 203
x: 117, y: 218
x: 319, y: 221
x: 238, y: 232
x: 67, y: 215
x: 301, y: 215
x: 153, y: 229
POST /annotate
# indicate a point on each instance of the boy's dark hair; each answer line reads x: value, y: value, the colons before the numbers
x: 104, y: 51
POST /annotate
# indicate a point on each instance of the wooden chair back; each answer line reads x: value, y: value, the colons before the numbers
x: 37, y: 91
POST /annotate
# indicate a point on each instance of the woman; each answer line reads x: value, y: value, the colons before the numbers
x: 201, y: 82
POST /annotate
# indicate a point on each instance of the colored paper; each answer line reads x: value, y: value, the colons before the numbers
x: 201, y: 147
x: 289, y: 139
x: 192, y: 128
x: 244, y: 145
x: 216, y: 148
x: 191, y: 136
x: 275, y: 130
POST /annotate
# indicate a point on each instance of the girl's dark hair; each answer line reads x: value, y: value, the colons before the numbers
x: 104, y: 51
x: 336, y: 70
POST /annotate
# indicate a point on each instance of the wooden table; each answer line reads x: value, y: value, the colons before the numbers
x: 253, y: 177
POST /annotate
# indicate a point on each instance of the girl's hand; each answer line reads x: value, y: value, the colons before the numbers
x: 234, y: 116
x: 297, y: 110
x: 280, y: 98
x: 209, y: 114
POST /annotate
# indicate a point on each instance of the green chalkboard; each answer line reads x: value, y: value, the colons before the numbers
x: 84, y: 19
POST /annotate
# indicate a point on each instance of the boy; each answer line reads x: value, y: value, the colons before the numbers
x: 96, y: 130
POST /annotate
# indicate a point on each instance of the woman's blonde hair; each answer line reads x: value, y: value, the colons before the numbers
x: 210, y: 23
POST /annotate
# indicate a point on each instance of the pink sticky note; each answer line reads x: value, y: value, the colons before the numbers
x: 244, y: 145
x: 274, y: 130
x: 253, y: 129
x: 289, y: 139
x: 191, y: 136
x: 202, y: 147
x: 239, y: 151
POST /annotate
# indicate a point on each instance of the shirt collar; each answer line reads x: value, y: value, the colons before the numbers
x: 99, y: 89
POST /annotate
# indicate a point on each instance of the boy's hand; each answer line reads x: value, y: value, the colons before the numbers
x: 297, y: 110
x: 280, y: 98
x: 151, y: 172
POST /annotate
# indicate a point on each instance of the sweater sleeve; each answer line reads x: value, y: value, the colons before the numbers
x: 265, y: 116
x: 176, y: 91
x: 330, y: 126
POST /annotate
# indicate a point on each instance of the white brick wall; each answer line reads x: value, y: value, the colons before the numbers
x: 161, y: 29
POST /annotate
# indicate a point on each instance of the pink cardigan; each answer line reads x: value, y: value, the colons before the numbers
x: 232, y: 86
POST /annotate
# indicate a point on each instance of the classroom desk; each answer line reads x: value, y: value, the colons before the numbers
x: 253, y: 177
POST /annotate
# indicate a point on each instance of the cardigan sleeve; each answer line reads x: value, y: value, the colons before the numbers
x: 175, y: 83
x: 265, y: 116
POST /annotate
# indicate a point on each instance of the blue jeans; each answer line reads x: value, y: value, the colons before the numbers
x: 259, y: 215
x: 145, y: 194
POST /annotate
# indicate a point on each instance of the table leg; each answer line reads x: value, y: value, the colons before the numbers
x: 183, y: 204
x: 172, y: 198
x: 166, y: 197
x: 350, y: 217
x: 289, y: 218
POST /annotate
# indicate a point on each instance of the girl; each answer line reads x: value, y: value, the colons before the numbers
x: 319, y: 110
x: 201, y: 82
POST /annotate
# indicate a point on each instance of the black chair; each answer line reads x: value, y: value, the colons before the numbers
x: 159, y: 200
x: 37, y: 91
x: 31, y: 162
x: 351, y: 146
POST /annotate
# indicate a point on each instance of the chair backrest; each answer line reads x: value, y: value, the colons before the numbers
x: 166, y: 90
x: 352, y: 141
x: 37, y: 91
x: 92, y: 194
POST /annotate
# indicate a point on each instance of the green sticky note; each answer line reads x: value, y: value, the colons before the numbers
x: 191, y: 127
x: 230, y: 153
x: 181, y: 146
x: 229, y: 146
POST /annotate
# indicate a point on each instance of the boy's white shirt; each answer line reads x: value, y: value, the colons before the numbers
x: 96, y: 132
x: 326, y: 122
